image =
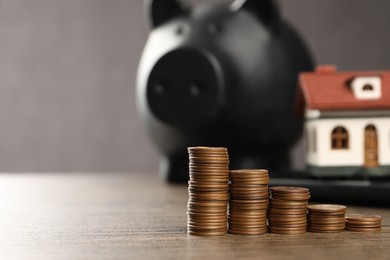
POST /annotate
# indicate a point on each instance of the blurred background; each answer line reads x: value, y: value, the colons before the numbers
x: 67, y: 73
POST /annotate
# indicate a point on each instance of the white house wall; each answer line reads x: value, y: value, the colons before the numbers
x: 354, y: 155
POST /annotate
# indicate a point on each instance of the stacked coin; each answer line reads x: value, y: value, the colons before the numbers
x: 287, y: 210
x: 326, y: 218
x: 208, y: 191
x: 248, y: 202
x: 363, y: 223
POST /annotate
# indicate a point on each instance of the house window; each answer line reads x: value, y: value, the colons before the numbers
x: 340, y: 138
x: 368, y: 87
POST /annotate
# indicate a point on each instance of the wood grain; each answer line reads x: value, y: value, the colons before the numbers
x: 138, y: 216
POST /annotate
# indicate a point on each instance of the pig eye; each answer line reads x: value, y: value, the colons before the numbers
x: 180, y: 30
x: 195, y: 90
x: 214, y: 28
x: 160, y: 89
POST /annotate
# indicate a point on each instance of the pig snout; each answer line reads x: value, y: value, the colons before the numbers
x: 185, y: 87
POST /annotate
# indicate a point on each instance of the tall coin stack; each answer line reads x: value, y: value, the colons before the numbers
x: 363, y: 223
x: 248, y: 202
x: 287, y: 210
x: 208, y: 191
x: 326, y: 218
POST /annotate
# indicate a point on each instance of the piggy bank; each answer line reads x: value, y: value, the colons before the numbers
x: 220, y: 75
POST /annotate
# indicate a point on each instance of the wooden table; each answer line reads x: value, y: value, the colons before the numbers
x: 138, y: 216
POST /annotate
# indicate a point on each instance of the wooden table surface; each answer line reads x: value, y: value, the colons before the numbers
x: 138, y: 216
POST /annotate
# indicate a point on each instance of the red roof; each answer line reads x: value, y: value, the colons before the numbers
x: 329, y: 89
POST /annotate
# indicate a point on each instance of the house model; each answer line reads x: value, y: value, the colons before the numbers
x: 347, y: 122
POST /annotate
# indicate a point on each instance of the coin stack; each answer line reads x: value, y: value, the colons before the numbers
x: 326, y: 218
x: 287, y: 210
x: 248, y: 202
x: 208, y: 191
x: 363, y: 223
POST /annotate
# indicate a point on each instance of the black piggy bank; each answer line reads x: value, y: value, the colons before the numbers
x: 220, y: 75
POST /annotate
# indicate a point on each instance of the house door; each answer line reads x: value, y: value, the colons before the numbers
x: 370, y: 147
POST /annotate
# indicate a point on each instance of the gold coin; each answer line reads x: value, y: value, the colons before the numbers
x: 208, y: 182
x: 264, y: 182
x: 206, y: 234
x: 324, y: 231
x: 203, y: 155
x: 287, y: 206
x: 326, y: 221
x: 286, y: 231
x: 201, y: 211
x: 239, y: 224
x: 207, y: 158
x: 204, y: 167
x: 219, y: 221
x: 195, y: 215
x: 207, y: 226
x: 287, y: 202
x: 207, y: 148
x: 249, y: 188
x: 287, y: 220
x: 208, y: 198
x: 205, y: 189
x: 243, y: 197
x: 327, y: 208
x: 325, y: 227
x: 279, y: 211
x: 209, y: 175
x: 289, y: 190
x: 318, y: 215
x: 207, y: 203
x: 248, y: 176
x: 263, y: 202
x: 195, y: 184
x: 248, y: 179
x: 249, y: 192
x: 310, y: 215
x: 292, y: 197
x: 377, y: 229
x: 249, y: 207
x: 245, y: 171
x: 245, y: 221
x: 249, y: 201
x: 208, y: 165
x: 287, y: 226
x: 359, y: 218
x: 263, y: 194
x: 258, y: 231
x: 248, y: 211
x: 363, y: 225
x: 246, y: 216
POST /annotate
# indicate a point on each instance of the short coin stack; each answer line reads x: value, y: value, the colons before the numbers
x: 363, y: 223
x: 326, y: 218
x: 287, y: 210
x: 208, y: 191
x: 248, y: 202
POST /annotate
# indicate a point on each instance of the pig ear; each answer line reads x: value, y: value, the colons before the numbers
x: 265, y: 10
x: 161, y: 11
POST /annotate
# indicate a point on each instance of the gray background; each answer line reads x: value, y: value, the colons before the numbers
x: 67, y: 72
